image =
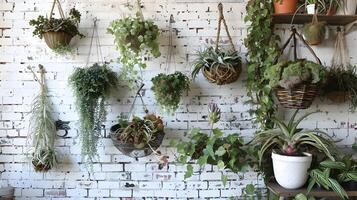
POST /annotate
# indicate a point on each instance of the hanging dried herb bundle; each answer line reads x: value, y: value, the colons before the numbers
x: 42, y: 130
x: 91, y: 87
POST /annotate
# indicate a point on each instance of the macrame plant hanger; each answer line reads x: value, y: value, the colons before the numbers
x: 220, y: 20
x: 340, y: 59
x: 60, y: 10
x: 98, y: 46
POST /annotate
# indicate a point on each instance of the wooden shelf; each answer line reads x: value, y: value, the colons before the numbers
x: 337, y: 20
x: 282, y: 192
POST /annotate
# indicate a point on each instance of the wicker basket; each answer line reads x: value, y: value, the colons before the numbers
x: 132, y: 151
x: 301, y: 97
x: 56, y: 39
x: 222, y: 75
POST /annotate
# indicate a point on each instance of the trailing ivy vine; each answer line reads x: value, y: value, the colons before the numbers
x: 263, y: 50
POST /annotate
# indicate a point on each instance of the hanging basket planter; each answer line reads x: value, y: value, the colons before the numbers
x: 135, y: 150
x: 315, y: 31
x: 296, y: 82
x: 300, y: 98
x: 222, y: 75
x: 219, y: 66
x: 55, y: 40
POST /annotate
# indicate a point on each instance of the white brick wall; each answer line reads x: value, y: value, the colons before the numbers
x: 117, y: 176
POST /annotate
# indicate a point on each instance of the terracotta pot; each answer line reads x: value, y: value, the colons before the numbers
x: 331, y: 11
x: 285, y: 6
x: 55, y: 39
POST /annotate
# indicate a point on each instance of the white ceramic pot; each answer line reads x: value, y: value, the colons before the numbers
x: 349, y: 8
x: 310, y: 9
x: 291, y: 171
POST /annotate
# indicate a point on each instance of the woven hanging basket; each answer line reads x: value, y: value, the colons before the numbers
x: 132, y: 150
x: 302, y: 96
x: 57, y: 39
x: 222, y: 75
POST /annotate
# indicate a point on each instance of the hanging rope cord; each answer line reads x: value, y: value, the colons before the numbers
x: 340, y: 59
x: 59, y: 9
x: 98, y: 45
x: 170, y: 51
x: 220, y: 20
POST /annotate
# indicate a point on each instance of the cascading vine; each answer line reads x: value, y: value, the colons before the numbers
x: 263, y: 50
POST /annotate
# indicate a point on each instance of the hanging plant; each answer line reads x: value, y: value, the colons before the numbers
x: 135, y: 38
x: 42, y: 129
x: 217, y: 65
x: 58, y: 33
x: 314, y: 32
x: 168, y: 90
x: 225, y: 152
x: 91, y: 87
x: 263, y: 51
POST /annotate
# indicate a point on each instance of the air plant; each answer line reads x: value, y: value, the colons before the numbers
x: 42, y: 130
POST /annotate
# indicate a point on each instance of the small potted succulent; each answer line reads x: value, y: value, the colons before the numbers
x: 42, y: 130
x: 290, y: 148
x: 285, y: 6
x: 58, y: 33
x: 296, y: 82
x: 218, y: 66
x: 138, y: 137
x: 135, y: 37
x: 226, y: 152
x: 342, y: 85
x: 168, y: 90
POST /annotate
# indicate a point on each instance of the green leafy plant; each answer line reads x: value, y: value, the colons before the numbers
x: 250, y: 192
x: 42, y: 129
x: 91, y: 87
x: 212, y: 59
x: 290, y: 74
x: 328, y: 6
x: 226, y: 152
x: 340, y: 80
x: 69, y: 25
x: 263, y: 50
x: 330, y: 174
x: 134, y: 38
x: 140, y: 132
x: 301, y: 196
x: 292, y: 141
x: 168, y: 90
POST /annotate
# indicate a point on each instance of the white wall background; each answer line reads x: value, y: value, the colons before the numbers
x: 116, y: 175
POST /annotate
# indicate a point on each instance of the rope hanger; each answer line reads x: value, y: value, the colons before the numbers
x: 220, y: 20
x: 98, y: 45
x: 59, y: 9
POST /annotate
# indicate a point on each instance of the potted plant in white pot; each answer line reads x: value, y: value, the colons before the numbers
x: 290, y: 147
x: 310, y: 6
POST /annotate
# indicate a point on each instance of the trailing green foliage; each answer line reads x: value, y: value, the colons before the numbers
x: 290, y: 74
x: 250, y: 192
x: 226, y: 152
x: 91, y: 87
x: 68, y: 25
x: 140, y: 132
x: 291, y: 140
x: 262, y: 52
x: 134, y: 38
x: 210, y: 58
x: 42, y: 131
x: 340, y: 80
x: 168, y: 90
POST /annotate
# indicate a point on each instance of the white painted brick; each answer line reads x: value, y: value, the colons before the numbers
x: 76, y: 192
x: 98, y: 193
x: 120, y: 193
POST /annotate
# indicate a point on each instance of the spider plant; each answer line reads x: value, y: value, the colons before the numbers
x: 292, y: 141
x: 42, y: 130
x: 212, y: 59
x: 326, y: 6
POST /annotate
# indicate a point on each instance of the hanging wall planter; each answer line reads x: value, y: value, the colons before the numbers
x: 42, y: 130
x: 58, y: 33
x: 285, y: 6
x: 314, y: 32
x: 217, y: 65
x: 296, y: 82
x: 135, y: 38
x: 138, y: 137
